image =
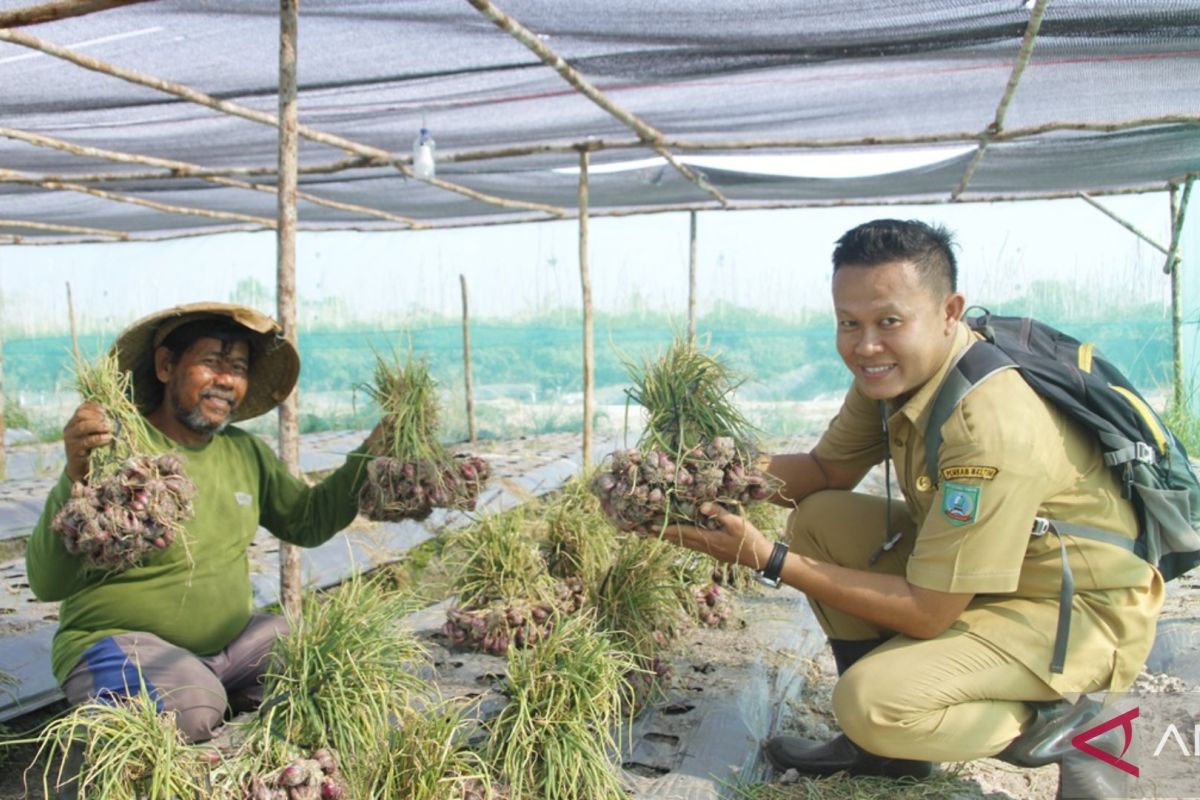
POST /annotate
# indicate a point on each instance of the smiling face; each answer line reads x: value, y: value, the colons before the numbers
x: 893, y: 329
x: 202, y: 389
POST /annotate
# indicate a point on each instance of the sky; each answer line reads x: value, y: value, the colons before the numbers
x: 774, y: 261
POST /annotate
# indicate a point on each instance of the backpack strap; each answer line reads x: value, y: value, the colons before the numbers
x: 1066, y: 592
x: 975, y: 364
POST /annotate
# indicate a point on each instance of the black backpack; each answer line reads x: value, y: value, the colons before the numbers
x: 1151, y: 462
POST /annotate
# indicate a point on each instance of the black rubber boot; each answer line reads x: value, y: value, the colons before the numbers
x: 848, y: 651
x: 839, y: 755
x: 1047, y: 737
x: 1084, y: 777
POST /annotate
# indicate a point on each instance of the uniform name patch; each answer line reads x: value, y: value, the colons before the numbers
x: 955, y: 473
x: 960, y: 503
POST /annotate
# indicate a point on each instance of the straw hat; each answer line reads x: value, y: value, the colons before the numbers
x: 274, y: 362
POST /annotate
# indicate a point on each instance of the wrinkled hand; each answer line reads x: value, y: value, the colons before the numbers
x: 87, y: 429
x: 736, y: 541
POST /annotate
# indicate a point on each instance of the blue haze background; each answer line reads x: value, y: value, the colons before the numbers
x: 763, y: 299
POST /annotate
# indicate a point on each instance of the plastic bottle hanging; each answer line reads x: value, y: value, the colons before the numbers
x: 424, y: 155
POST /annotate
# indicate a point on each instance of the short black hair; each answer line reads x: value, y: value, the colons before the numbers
x: 882, y: 241
x: 222, y: 329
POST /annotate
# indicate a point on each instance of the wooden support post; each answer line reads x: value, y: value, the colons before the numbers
x: 691, y: 328
x: 285, y: 276
x: 71, y: 320
x: 462, y: 279
x: 1179, y: 203
x: 585, y: 281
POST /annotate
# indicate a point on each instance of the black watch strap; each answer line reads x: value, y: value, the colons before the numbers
x: 770, y: 574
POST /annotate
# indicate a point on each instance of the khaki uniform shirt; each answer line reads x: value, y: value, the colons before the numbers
x: 1007, y: 456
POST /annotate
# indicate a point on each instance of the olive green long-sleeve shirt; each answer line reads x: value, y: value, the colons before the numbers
x: 196, y: 593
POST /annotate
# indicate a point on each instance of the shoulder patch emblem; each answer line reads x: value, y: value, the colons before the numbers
x: 982, y: 473
x: 960, y: 503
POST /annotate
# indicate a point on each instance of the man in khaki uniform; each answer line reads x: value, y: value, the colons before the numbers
x: 944, y: 635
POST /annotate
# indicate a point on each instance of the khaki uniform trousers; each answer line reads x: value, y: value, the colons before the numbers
x: 955, y: 697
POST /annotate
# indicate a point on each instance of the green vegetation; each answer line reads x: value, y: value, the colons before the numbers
x: 102, y: 382
x: 576, y: 538
x: 341, y: 677
x: 538, y: 359
x: 1184, y: 422
x: 426, y: 756
x: 495, y: 560
x: 688, y: 397
x: 567, y: 694
x: 121, y: 751
x: 642, y: 596
x: 844, y: 787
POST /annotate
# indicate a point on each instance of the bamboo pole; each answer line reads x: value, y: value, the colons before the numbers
x: 19, y: 177
x: 462, y: 279
x: 61, y: 9
x: 1179, y: 203
x: 358, y: 162
x: 51, y: 226
x: 1178, y: 217
x: 647, y: 133
x: 1126, y: 224
x: 234, y: 109
x: 585, y: 282
x: 740, y: 205
x: 289, y: 409
x: 691, y: 323
x: 1014, y: 79
x: 71, y: 321
x: 207, y: 172
x: 808, y: 143
x: 184, y: 169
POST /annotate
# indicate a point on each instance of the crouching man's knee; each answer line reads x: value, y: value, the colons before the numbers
x: 873, y: 718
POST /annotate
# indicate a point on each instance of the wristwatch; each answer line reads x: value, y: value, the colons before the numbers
x: 769, y: 575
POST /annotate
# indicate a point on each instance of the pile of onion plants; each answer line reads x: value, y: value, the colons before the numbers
x: 410, y: 472
x: 569, y: 696
x: 346, y: 671
x: 120, y: 750
x: 696, y: 447
x: 133, y: 501
x: 506, y: 597
x: 576, y: 537
x: 314, y: 777
x: 427, y: 756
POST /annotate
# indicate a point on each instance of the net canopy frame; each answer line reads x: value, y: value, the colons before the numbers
x: 158, y: 119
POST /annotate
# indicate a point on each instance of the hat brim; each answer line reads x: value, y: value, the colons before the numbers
x: 274, y: 368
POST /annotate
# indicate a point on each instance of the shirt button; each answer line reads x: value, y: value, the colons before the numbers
x: 924, y: 484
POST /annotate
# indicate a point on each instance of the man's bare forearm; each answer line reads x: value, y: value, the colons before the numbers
x: 801, y: 474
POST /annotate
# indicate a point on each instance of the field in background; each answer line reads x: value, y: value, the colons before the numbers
x: 527, y: 373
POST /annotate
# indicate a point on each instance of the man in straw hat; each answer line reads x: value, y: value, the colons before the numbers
x: 182, y: 623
